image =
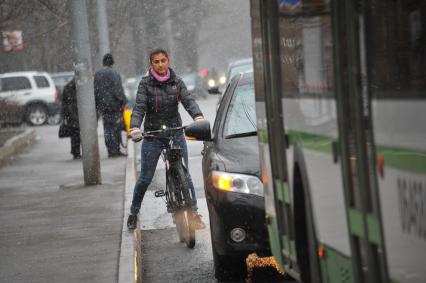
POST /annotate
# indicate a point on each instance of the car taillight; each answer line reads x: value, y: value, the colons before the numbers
x: 56, y: 95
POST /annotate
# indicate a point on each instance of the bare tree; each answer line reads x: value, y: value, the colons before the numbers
x: 135, y: 27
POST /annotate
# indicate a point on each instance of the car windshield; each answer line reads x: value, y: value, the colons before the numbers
x: 241, y: 117
x: 240, y: 69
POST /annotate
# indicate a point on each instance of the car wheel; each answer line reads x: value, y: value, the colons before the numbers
x: 54, y: 119
x: 37, y: 114
x: 229, y: 268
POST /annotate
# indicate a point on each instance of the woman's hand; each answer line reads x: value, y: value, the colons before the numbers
x: 199, y: 118
x: 136, y: 134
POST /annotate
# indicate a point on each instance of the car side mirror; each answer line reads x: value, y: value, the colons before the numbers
x: 199, y: 130
x: 214, y: 90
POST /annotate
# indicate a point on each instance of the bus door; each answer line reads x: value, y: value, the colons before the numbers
x: 272, y: 140
x: 293, y: 64
x: 395, y: 68
x: 309, y: 113
x: 356, y: 145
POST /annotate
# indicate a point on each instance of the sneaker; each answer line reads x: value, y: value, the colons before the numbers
x: 132, y: 221
x: 76, y: 156
x: 199, y: 223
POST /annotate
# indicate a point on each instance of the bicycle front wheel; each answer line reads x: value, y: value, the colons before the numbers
x: 185, y: 226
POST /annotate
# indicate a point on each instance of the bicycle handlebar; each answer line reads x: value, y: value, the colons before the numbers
x: 199, y: 130
x: 161, y: 131
x: 165, y: 130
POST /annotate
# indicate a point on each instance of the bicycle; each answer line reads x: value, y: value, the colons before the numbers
x: 178, y: 196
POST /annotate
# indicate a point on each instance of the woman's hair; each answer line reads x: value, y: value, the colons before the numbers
x: 156, y: 52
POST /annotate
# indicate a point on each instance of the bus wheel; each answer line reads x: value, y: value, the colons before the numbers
x: 306, y: 243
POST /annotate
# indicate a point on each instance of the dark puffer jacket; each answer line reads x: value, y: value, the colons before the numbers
x: 69, y: 105
x: 158, y: 103
x: 109, y: 93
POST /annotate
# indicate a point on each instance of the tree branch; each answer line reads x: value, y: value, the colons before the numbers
x: 48, y: 5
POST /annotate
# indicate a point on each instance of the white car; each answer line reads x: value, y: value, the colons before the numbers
x: 35, y: 92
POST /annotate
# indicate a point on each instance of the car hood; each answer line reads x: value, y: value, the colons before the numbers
x: 240, y: 155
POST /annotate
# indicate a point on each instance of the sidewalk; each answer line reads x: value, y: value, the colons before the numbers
x: 53, y: 229
x: 13, y: 140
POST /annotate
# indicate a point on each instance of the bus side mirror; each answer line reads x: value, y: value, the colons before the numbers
x: 199, y: 130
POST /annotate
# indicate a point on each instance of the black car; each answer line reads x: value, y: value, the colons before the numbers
x: 232, y: 184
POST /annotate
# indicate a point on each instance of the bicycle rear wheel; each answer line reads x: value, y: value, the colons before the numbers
x: 186, y: 214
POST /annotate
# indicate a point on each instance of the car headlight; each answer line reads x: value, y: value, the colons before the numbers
x: 239, y: 183
x: 212, y: 83
x: 222, y: 80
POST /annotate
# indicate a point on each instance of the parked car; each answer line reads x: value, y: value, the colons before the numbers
x: 61, y: 79
x: 35, y: 91
x: 234, y: 68
x: 130, y: 86
x: 232, y: 184
x: 238, y: 66
x: 194, y: 84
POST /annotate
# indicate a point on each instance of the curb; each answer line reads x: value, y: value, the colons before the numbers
x: 15, y: 144
x: 130, y: 258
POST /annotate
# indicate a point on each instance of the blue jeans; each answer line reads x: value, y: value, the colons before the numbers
x: 112, y: 131
x: 150, y: 153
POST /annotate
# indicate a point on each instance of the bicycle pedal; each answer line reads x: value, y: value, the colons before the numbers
x: 159, y: 193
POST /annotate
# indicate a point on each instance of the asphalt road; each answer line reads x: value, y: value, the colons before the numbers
x: 165, y: 259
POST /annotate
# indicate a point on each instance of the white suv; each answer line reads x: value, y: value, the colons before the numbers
x: 35, y: 92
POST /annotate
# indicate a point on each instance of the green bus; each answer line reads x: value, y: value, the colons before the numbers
x: 341, y: 116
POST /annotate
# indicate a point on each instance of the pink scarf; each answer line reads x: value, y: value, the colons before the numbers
x: 158, y: 77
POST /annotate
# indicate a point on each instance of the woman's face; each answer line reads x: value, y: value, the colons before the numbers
x: 160, y: 63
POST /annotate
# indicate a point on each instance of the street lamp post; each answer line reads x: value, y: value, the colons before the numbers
x: 102, y: 28
x: 85, y: 94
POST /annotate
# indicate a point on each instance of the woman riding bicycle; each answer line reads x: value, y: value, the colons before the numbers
x: 157, y: 101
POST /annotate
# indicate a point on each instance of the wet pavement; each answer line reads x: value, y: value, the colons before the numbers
x: 54, y: 229
x: 165, y: 259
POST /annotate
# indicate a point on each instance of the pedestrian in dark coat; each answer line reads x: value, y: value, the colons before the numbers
x: 70, y: 116
x: 110, y: 100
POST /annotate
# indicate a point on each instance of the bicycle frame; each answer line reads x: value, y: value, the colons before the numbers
x: 172, y: 156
